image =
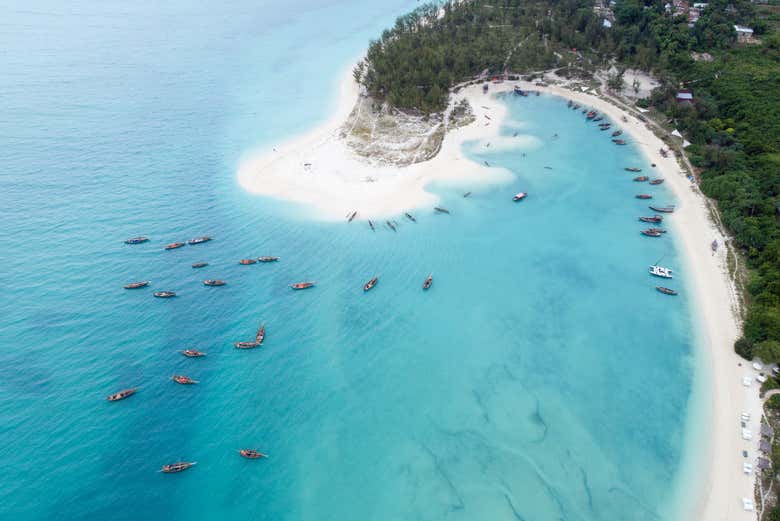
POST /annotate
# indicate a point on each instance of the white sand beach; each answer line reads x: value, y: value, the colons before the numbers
x: 320, y: 171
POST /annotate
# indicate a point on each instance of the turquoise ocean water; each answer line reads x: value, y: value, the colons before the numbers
x: 541, y: 378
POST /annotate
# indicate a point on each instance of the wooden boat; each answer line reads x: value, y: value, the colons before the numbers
x: 666, y: 291
x: 441, y: 210
x: 252, y: 454
x: 199, y: 240
x: 659, y: 230
x: 584, y: 111
x: 598, y: 118
x: 632, y: 169
x: 390, y: 225
x: 184, y: 380
x: 136, y: 285
x: 657, y: 181
x: 193, y: 353
x: 644, y: 196
x: 660, y: 271
x: 428, y: 282
x: 267, y: 259
x: 302, y: 285
x: 655, y: 219
x: 121, y: 395
x: 410, y: 217
x: 245, y: 345
x: 214, y: 282
x: 605, y: 127
x: 247, y: 262
x: 662, y: 209
x: 619, y: 141
x: 641, y: 178
x: 591, y: 114
x: 178, y: 467
x: 370, y: 284
x: 200, y: 265
x: 351, y: 217
x: 651, y: 233
x: 617, y: 133
x: 519, y: 196
x: 371, y: 224
x: 165, y: 294
x: 466, y: 194
x: 260, y: 335
x: 517, y: 90
x: 570, y: 103
x: 137, y: 240
x: 174, y: 245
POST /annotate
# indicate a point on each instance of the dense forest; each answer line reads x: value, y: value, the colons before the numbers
x: 734, y: 122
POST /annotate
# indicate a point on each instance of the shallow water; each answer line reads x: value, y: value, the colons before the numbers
x: 540, y: 378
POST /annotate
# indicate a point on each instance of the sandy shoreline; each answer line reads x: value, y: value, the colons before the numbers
x: 320, y: 171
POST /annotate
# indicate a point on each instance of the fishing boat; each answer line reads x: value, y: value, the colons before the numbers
x: 390, y: 225
x: 441, y: 210
x: 466, y: 194
x: 247, y: 262
x: 193, y: 353
x: 214, y: 282
x: 178, y: 467
x: 260, y: 335
x: 136, y: 285
x: 199, y: 240
x: 245, y: 345
x: 591, y: 114
x: 200, y: 265
x: 302, y: 285
x: 519, y: 196
x: 174, y: 245
x: 137, y: 240
x: 619, y: 141
x: 605, y: 127
x: 651, y: 233
x: 655, y: 219
x: 351, y: 217
x: 617, y: 133
x: 662, y: 209
x: 644, y: 196
x: 165, y: 294
x: 641, y: 178
x: 660, y: 271
x: 370, y: 284
x: 657, y: 181
x: 599, y: 118
x: 251, y: 454
x: 570, y: 103
x: 428, y: 282
x: 659, y: 230
x: 584, y: 111
x: 267, y: 259
x: 184, y: 380
x: 632, y: 169
x: 410, y: 217
x: 519, y: 91
x: 371, y: 224
x: 666, y: 291
x: 121, y: 395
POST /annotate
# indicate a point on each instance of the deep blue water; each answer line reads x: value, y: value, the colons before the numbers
x: 541, y: 378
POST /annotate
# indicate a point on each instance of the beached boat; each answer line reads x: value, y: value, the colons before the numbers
x: 137, y: 240
x: 655, y: 219
x: 174, y: 245
x: 632, y: 169
x: 165, y: 294
x: 410, y: 217
x: 267, y: 259
x: 617, y: 133
x: 214, y: 282
x: 660, y: 271
x: 121, y: 395
x: 666, y: 291
x: 245, y: 345
x: 519, y: 196
x: 247, y: 262
x: 199, y: 240
x: 641, y: 178
x: 302, y: 285
x: 200, y: 265
x: 370, y: 284
x: 657, y: 181
x: 178, y: 467
x: 390, y: 225
x: 193, y: 353
x: 251, y: 454
x: 183, y: 380
x: 371, y: 224
x: 351, y: 217
x: 651, y: 233
x: 260, y: 335
x: 136, y: 285
x: 619, y: 141
x: 662, y: 209
x: 441, y: 210
x: 428, y: 282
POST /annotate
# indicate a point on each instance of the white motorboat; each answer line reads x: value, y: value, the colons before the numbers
x: 660, y: 271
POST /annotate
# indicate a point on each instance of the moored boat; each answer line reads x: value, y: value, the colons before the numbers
x: 619, y: 141
x: 351, y: 217
x: 199, y: 240
x: 598, y: 118
x: 390, y: 225
x: 246, y: 262
x: 302, y: 285
x: 604, y: 127
x: 260, y: 335
x: 651, y: 233
x: 440, y: 209
x: 662, y: 209
x: 660, y: 271
x: 267, y: 259
x: 252, y: 454
x: 371, y: 224
x: 178, y: 466
x: 666, y: 291
x: 466, y: 194
x: 617, y: 133
x: 184, y: 380
x: 641, y: 178
x: 519, y: 196
x: 174, y: 245
x: 632, y: 169
x: 659, y: 230
x: 245, y: 345
x: 137, y: 240
x: 655, y: 219
x: 410, y: 217
x: 200, y: 265
x: 428, y: 282
x: 644, y: 196
x: 193, y: 353
x: 370, y: 284
x: 165, y: 294
x: 121, y: 395
x: 136, y: 285
x: 214, y: 282
x: 591, y: 114
x: 656, y: 181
